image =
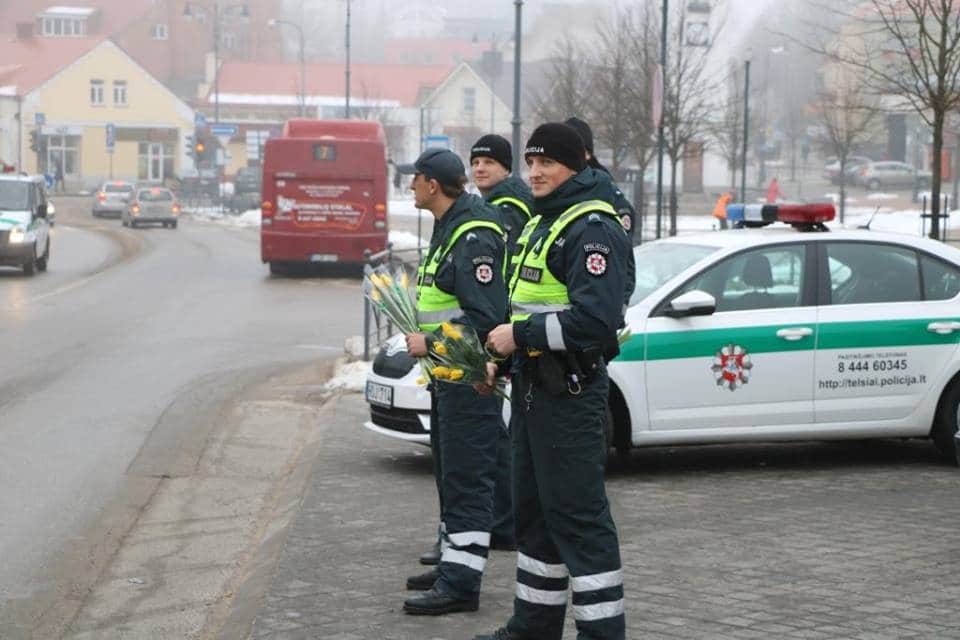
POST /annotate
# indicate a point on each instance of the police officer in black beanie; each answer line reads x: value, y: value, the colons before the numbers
x: 566, y: 305
x: 491, y: 160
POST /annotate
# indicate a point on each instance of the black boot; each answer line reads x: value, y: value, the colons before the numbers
x: 432, y: 556
x: 499, y: 634
x: 435, y: 603
x: 423, y: 581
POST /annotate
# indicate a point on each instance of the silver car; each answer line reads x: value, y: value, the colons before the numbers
x: 112, y: 198
x: 152, y: 205
x: 877, y: 175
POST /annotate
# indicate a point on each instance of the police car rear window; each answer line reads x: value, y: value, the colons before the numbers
x: 119, y: 188
x: 155, y: 195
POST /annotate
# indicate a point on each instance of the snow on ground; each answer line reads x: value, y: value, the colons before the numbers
x: 881, y: 196
x: 405, y: 241
x: 349, y: 376
x: 247, y: 219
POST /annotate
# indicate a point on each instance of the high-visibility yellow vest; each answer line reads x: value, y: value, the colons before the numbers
x: 434, y: 305
x: 533, y: 289
x: 518, y: 203
x: 514, y: 258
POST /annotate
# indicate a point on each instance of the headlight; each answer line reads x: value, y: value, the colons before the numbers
x: 17, y: 235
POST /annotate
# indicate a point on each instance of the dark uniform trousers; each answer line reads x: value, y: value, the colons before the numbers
x: 565, y: 533
x: 467, y: 443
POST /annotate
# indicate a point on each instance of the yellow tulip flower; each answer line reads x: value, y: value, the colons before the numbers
x: 456, y: 374
x: 440, y: 373
x: 422, y: 380
x: 451, y: 331
x: 439, y: 348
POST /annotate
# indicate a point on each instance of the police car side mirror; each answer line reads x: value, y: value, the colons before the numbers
x: 42, y: 211
x: 692, y: 303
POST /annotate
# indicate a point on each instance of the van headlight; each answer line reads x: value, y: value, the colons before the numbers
x: 17, y: 235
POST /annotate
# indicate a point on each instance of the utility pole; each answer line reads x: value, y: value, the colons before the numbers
x: 216, y: 62
x: 347, y: 107
x: 660, y: 131
x: 746, y: 131
x: 518, y: 5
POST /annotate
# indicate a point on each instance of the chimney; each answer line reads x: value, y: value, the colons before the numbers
x: 24, y: 31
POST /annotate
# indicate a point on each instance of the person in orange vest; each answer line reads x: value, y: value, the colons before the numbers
x: 720, y: 209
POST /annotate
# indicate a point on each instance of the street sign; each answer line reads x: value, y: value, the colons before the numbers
x: 39, y: 119
x: 199, y: 120
x: 111, y: 132
x: 436, y: 142
x: 228, y: 130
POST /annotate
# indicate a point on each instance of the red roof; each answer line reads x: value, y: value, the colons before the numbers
x: 31, y: 62
x: 367, y: 81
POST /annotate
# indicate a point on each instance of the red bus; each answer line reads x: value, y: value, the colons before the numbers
x: 324, y: 193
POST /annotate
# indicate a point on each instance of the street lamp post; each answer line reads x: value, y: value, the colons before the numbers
x: 518, y: 4
x: 746, y: 130
x: 660, y: 131
x: 303, y: 76
x: 347, y: 71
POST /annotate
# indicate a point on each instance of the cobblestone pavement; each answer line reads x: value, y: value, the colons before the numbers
x: 808, y: 541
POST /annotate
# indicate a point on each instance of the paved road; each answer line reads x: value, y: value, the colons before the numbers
x: 113, y: 365
x: 787, y: 541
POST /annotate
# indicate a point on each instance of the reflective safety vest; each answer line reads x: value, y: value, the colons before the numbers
x: 533, y: 289
x: 522, y: 206
x: 434, y: 305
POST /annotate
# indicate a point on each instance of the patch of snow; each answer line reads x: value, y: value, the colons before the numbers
x: 406, y: 208
x: 249, y: 219
x: 349, y: 376
x: 881, y: 196
x: 835, y: 198
x: 405, y: 241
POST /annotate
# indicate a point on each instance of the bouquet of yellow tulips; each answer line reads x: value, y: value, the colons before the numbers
x: 390, y: 294
x: 460, y: 357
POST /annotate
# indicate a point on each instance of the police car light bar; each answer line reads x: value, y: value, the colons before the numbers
x: 803, y: 216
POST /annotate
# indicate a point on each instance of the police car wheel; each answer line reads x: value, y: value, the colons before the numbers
x: 946, y: 421
x: 42, y: 261
x: 30, y: 265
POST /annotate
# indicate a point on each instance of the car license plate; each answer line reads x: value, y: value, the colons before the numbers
x: 380, y: 394
x: 323, y: 257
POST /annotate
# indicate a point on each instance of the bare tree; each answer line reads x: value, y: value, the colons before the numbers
x: 616, y: 75
x: 848, y: 112
x: 644, y: 52
x: 688, y: 102
x: 726, y: 131
x: 908, y: 50
x: 567, y: 89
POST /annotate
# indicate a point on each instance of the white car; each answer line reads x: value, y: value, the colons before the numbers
x: 24, y: 223
x: 769, y: 335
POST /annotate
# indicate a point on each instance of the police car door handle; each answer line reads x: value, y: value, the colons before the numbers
x: 794, y: 333
x: 943, y: 328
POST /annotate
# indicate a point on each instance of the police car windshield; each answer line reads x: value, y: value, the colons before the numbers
x: 659, y: 262
x: 14, y: 196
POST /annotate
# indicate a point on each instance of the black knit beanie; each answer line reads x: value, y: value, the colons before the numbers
x: 560, y: 142
x: 493, y: 146
x: 583, y: 129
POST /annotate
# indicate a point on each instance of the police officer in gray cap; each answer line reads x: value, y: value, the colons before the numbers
x: 460, y: 281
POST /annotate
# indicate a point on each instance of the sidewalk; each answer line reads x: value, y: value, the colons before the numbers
x: 788, y: 541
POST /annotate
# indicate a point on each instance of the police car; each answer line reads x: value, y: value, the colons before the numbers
x: 24, y: 223
x: 766, y: 334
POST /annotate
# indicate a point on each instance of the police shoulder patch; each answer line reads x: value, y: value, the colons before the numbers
x: 594, y: 247
x: 596, y: 264
x: 483, y: 260
x: 483, y: 273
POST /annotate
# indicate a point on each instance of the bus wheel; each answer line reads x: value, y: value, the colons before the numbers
x: 278, y: 269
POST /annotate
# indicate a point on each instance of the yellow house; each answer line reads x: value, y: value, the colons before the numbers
x: 99, y: 116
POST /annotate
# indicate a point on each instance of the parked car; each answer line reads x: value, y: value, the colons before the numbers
x: 112, y: 198
x: 831, y: 171
x: 152, y: 205
x: 883, y: 175
x: 24, y: 227
x: 246, y: 190
x: 767, y: 334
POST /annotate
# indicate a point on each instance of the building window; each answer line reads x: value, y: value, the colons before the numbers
x: 155, y: 161
x: 229, y: 41
x: 120, y: 92
x: 469, y: 100
x: 63, y: 27
x: 96, y: 92
x: 159, y: 32
x: 63, y: 151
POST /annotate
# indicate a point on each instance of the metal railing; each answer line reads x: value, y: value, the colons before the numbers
x: 376, y: 329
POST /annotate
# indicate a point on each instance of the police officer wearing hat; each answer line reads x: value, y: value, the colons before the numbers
x: 566, y: 304
x: 491, y: 161
x: 460, y: 280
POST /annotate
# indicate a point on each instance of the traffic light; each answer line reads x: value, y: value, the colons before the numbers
x: 188, y: 144
x: 199, y: 150
x: 34, y: 143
